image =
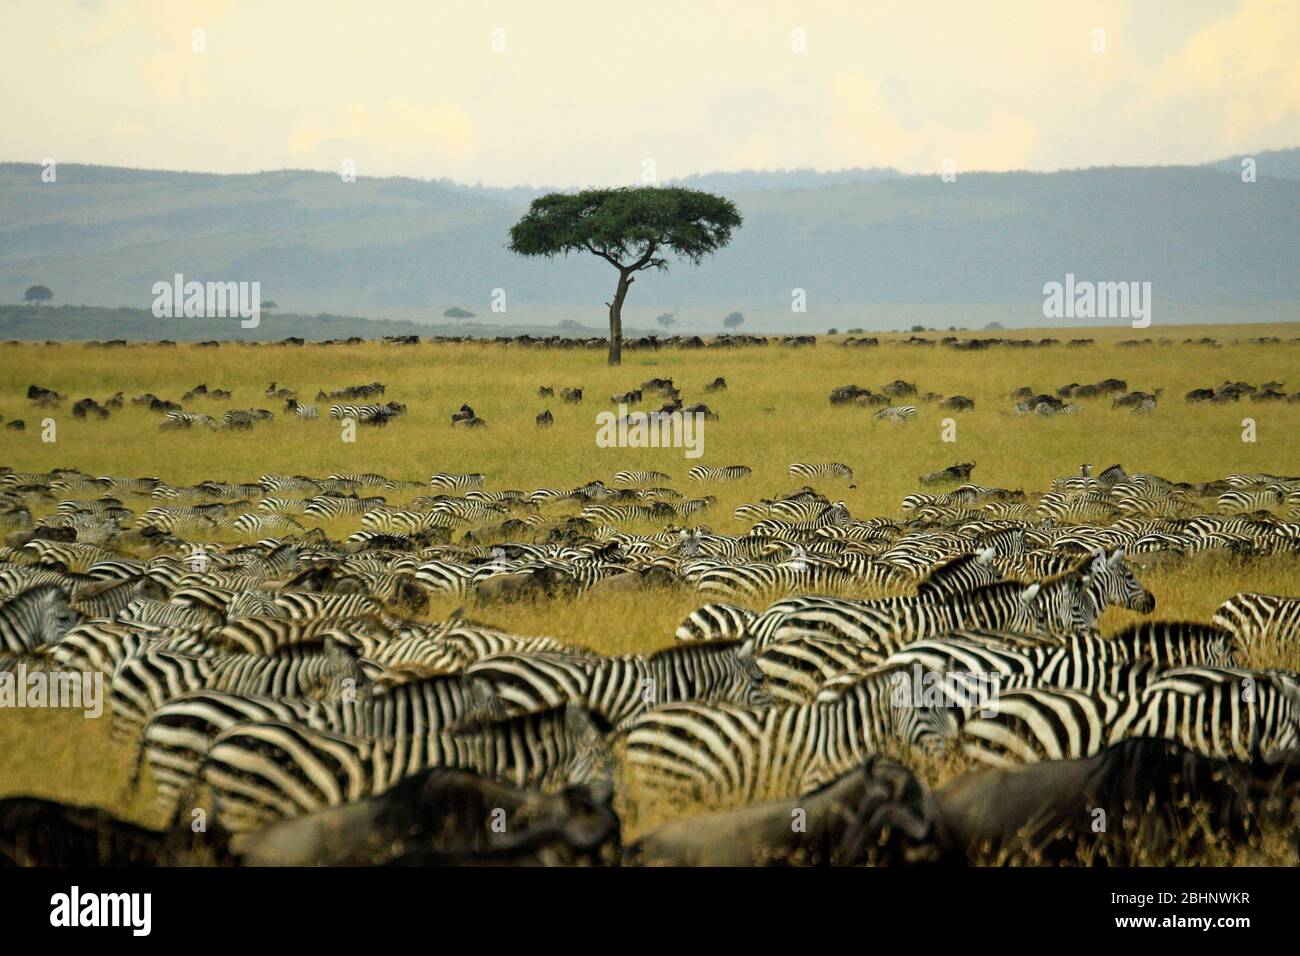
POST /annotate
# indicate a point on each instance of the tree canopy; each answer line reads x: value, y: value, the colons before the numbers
x: 38, y: 293
x: 631, y: 228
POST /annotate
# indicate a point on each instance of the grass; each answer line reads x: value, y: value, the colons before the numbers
x: 774, y: 412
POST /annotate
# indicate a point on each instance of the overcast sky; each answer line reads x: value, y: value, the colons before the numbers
x: 571, y: 92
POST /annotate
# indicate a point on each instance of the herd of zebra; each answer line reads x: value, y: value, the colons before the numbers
x: 296, y: 674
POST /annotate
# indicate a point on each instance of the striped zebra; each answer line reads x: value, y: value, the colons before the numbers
x: 726, y: 754
x: 328, y: 507
x: 724, y: 473
x: 266, y: 524
x: 885, y: 626
x: 372, y: 414
x: 36, y: 617
x: 836, y: 515
x: 621, y: 688
x: 1254, y: 617
x: 177, y: 420
x: 1251, y: 499
x: 1224, y: 712
x: 1045, y: 723
x: 753, y: 582
x: 451, y: 481
x: 965, y: 572
x: 640, y: 478
x: 826, y: 469
x: 896, y: 413
x: 179, y: 734
x: 143, y: 683
x: 302, y: 410
x: 716, y: 622
x: 260, y: 772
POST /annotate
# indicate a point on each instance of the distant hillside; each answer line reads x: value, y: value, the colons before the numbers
x: 1277, y: 163
x: 33, y: 323
x: 853, y: 240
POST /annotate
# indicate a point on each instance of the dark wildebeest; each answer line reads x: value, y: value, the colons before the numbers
x: 719, y: 384
x: 957, y: 403
x: 1134, y: 802
x: 546, y: 391
x: 808, y: 830
x: 545, y: 419
x: 37, y: 832
x: 953, y: 473
x: 571, y: 395
x: 449, y: 817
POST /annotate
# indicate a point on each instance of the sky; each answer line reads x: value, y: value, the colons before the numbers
x: 597, y: 93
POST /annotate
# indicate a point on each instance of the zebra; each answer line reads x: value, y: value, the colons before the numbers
x: 724, y: 473
x: 302, y: 410
x: 727, y: 754
x: 716, y: 622
x: 896, y: 413
x: 178, y: 734
x: 452, y: 481
x: 884, y: 627
x: 640, y: 478
x: 1254, y: 617
x: 373, y: 414
x: 1030, y: 724
x: 1223, y: 712
x: 829, y: 469
x: 176, y: 420
x: 1252, y: 499
x: 259, y: 772
x: 620, y: 688
x: 143, y: 683
x: 836, y: 515
x: 327, y: 507
x: 36, y: 617
x: 261, y: 523
x: 965, y: 572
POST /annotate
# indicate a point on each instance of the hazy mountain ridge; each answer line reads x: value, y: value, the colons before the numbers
x: 406, y: 248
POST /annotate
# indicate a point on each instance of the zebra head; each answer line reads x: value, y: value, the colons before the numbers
x: 40, y: 615
x: 590, y: 759
x: 1111, y: 581
x: 1063, y: 605
x: 755, y: 692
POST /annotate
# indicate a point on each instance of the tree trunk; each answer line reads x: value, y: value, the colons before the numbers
x: 616, y: 318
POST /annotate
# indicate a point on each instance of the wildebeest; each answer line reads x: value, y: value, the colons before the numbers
x: 957, y: 403
x: 546, y: 391
x: 953, y: 473
x: 571, y: 395
x: 545, y: 419
x: 1133, y: 802
x: 808, y: 830
x: 899, y: 389
x: 719, y: 384
x: 446, y: 817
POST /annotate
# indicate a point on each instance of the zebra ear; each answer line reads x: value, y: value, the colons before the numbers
x: 986, y: 555
x: 1027, y: 596
x: 746, y: 648
x: 1117, y: 558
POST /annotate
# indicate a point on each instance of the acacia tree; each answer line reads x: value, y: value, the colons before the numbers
x: 38, y: 294
x: 734, y: 320
x: 666, y: 320
x: 631, y: 228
